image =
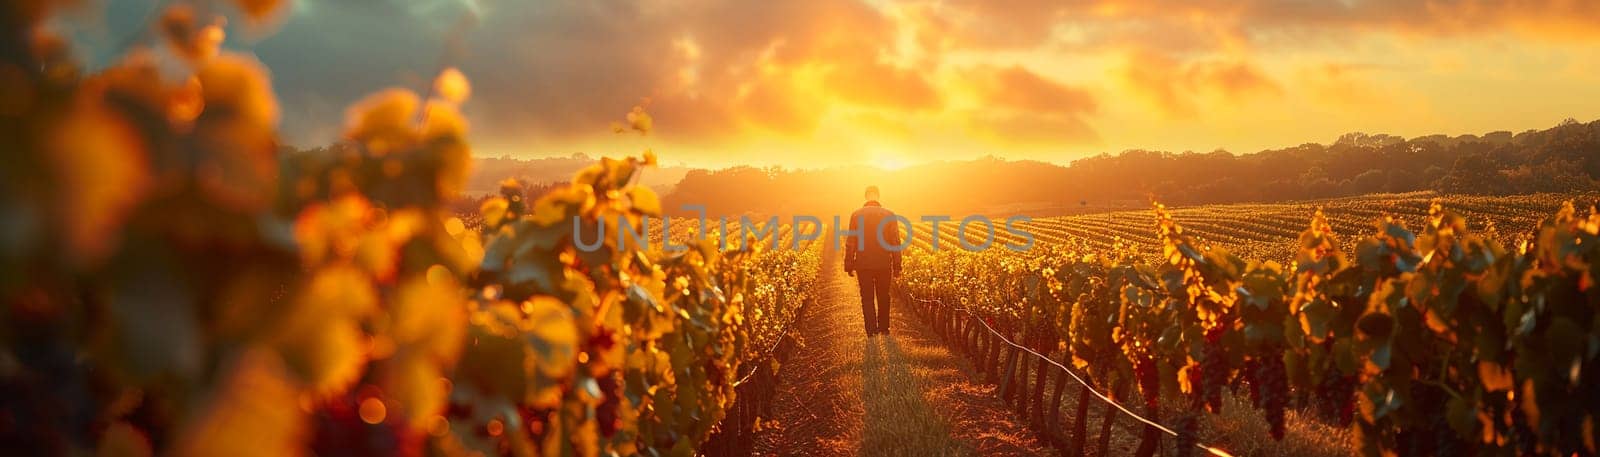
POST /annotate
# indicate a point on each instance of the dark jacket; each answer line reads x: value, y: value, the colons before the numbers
x: 871, y: 255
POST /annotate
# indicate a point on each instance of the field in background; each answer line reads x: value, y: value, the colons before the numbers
x: 1267, y: 231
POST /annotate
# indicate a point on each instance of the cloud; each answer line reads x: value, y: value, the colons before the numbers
x: 709, y: 67
x: 1173, y: 85
x: 722, y: 76
x: 1232, y: 79
x: 1541, y: 18
x: 1259, y: 24
x: 1018, y: 106
x: 1208, y: 26
x: 1154, y: 77
x: 878, y: 84
x: 1345, y: 85
x: 1030, y: 129
x: 771, y: 104
x: 564, y: 70
x: 1018, y: 88
x: 1005, y: 23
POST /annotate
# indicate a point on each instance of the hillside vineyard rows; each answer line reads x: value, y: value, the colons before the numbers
x: 1259, y: 231
x: 1373, y: 335
x: 1428, y: 338
x: 173, y: 285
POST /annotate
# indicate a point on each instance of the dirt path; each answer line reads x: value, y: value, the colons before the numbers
x: 903, y: 394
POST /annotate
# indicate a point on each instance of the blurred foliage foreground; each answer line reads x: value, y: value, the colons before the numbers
x: 171, y: 285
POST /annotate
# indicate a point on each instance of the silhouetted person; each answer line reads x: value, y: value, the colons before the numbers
x: 873, y: 261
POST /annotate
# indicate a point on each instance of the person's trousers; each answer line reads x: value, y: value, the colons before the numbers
x: 875, y: 298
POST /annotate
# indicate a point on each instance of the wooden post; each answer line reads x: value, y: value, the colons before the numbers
x: 955, y: 329
x: 1110, y: 416
x: 992, y: 358
x: 747, y: 417
x: 968, y: 339
x: 941, y: 323
x: 979, y: 354
x: 979, y: 351
x: 1029, y: 406
x: 1149, y: 386
x: 945, y: 316
x: 1052, y: 418
x: 1080, y: 423
x: 972, y: 336
x: 1008, y: 389
x: 977, y: 336
x: 1020, y: 397
x: 1041, y: 378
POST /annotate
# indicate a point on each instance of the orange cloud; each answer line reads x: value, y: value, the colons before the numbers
x: 1019, y: 106
x: 1172, y: 86
x: 1243, y: 24
x: 1016, y: 87
x: 1006, y: 23
x: 563, y: 71
x: 1030, y: 128
x: 933, y: 76
x: 1343, y: 84
x: 771, y: 104
x: 1233, y: 79
x: 884, y: 86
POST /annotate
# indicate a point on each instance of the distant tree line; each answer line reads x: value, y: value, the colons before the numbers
x: 1564, y: 158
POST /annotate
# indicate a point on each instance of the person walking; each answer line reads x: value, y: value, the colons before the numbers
x: 872, y: 255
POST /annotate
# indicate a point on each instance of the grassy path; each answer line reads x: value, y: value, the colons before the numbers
x: 903, y: 394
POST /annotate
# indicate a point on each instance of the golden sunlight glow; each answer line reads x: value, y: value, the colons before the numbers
x: 835, y: 82
x: 890, y: 161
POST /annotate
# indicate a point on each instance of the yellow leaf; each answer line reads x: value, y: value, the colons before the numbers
x: 418, y: 387
x: 322, y: 339
x: 326, y: 232
x: 1185, y: 377
x: 452, y: 86
x: 1495, y: 377
x: 473, y: 246
x: 255, y: 413
x: 382, y: 121
x: 555, y: 335
x: 439, y: 275
x: 454, y: 226
x: 260, y: 10
x: 493, y: 210
x: 239, y: 84
x: 430, y: 318
x: 444, y: 120
x: 100, y: 160
x: 186, y: 101
x: 187, y: 37
x: 640, y: 121
x: 556, y: 207
x: 378, y: 256
x: 645, y: 200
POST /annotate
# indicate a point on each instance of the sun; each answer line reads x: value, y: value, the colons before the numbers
x: 889, y: 161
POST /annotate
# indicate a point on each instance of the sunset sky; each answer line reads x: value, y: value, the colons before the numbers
x: 885, y: 82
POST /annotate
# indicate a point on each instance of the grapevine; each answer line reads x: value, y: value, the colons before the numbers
x: 367, y: 317
x: 1430, y: 342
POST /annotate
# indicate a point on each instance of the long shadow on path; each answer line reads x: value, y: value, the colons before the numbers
x: 899, y: 419
x: 842, y: 393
